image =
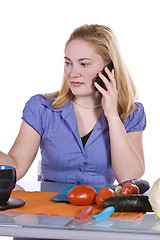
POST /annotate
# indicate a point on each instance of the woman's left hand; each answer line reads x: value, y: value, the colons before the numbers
x: 109, y: 94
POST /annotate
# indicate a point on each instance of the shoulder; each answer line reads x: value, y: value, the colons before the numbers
x: 139, y: 106
x: 39, y: 98
x: 36, y: 112
x: 138, y: 111
x: 136, y: 121
x: 39, y: 101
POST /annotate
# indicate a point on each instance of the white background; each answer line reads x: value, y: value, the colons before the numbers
x: 32, y: 38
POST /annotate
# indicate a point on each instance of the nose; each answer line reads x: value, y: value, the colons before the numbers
x: 75, y: 72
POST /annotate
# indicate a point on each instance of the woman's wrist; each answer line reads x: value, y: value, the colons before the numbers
x: 113, y: 119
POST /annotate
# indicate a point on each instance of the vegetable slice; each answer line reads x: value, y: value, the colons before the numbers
x: 129, y: 189
x: 143, y: 185
x: 117, y: 190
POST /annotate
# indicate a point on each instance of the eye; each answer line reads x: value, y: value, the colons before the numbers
x: 67, y: 63
x: 84, y: 64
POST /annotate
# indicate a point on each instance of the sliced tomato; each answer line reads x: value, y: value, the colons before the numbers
x: 129, y: 189
x: 82, y: 195
x: 102, y: 194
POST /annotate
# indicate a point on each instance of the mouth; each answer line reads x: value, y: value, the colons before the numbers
x: 77, y: 84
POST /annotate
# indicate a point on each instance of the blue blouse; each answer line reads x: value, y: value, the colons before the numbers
x: 64, y: 159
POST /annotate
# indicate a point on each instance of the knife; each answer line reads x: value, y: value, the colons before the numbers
x: 96, y: 220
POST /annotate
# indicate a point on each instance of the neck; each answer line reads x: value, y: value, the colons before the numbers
x: 85, y: 106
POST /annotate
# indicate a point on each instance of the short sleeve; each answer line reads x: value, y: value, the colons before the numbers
x: 33, y: 112
x: 136, y: 121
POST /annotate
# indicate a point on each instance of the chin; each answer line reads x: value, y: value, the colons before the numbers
x: 80, y: 92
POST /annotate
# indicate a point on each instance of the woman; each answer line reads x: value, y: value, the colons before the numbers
x: 85, y: 136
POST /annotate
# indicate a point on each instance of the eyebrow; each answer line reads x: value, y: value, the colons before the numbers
x: 81, y: 59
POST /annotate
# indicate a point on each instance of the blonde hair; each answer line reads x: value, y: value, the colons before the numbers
x: 106, y: 45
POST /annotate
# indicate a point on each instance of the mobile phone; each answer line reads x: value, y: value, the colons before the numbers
x: 97, y: 79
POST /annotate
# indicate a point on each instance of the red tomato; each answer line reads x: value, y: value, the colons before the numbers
x: 82, y: 195
x: 129, y: 189
x: 102, y: 194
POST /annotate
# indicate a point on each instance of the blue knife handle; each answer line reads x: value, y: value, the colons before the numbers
x: 104, y: 214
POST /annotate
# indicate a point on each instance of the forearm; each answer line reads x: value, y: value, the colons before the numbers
x: 127, y: 161
x: 10, y: 160
x: 6, y: 159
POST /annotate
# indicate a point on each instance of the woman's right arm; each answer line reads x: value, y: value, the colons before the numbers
x: 23, y: 151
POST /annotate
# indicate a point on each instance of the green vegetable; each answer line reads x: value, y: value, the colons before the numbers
x: 129, y: 203
x: 154, y: 197
x: 117, y: 190
x: 143, y: 185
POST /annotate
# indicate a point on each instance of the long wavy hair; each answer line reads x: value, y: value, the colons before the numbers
x: 105, y: 42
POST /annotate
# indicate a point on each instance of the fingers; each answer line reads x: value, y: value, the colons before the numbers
x: 109, y: 84
x: 111, y: 77
x: 100, y: 89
